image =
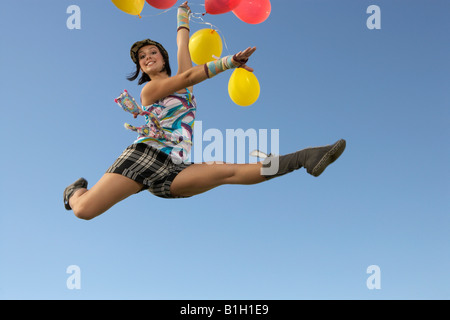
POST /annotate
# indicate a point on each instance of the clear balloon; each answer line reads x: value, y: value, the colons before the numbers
x: 220, y: 6
x: 162, y: 4
x: 243, y: 87
x: 133, y: 7
x: 205, y: 45
x: 253, y: 11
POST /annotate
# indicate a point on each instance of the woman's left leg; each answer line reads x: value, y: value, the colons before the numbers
x: 201, y: 177
x: 198, y: 178
x: 109, y: 190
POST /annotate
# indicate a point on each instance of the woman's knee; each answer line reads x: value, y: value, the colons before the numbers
x: 228, y: 174
x: 88, y: 207
x: 85, y: 212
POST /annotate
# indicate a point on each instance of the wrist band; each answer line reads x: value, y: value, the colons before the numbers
x: 215, y: 67
x: 183, y: 18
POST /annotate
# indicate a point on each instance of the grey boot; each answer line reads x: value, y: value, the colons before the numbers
x: 314, y: 160
x: 69, y: 191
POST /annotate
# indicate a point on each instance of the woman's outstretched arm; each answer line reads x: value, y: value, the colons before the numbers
x: 158, y: 89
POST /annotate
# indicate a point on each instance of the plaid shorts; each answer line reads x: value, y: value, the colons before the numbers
x: 149, y: 166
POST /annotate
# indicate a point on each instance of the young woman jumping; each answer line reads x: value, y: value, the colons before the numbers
x: 154, y: 161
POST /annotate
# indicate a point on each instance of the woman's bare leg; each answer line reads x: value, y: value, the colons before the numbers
x: 109, y: 190
x: 201, y: 177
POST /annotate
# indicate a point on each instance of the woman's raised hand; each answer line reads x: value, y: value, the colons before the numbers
x: 185, y: 5
x: 241, y: 58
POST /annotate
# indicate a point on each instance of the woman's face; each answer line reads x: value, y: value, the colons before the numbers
x: 151, y: 60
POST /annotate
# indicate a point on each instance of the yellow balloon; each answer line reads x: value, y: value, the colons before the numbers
x: 133, y: 7
x: 205, y: 45
x: 243, y: 87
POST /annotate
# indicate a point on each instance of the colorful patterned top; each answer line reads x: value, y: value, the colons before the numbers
x: 176, y: 115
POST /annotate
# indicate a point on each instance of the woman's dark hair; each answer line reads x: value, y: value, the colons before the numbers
x: 145, y: 78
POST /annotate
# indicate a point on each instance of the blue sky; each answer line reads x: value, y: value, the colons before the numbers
x: 324, y: 76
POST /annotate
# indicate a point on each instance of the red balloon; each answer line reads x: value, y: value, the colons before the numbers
x: 220, y: 6
x: 161, y: 4
x: 253, y: 11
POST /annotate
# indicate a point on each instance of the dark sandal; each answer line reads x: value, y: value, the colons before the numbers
x: 69, y: 191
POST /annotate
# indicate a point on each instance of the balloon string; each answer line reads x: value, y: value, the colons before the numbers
x: 197, y: 18
x: 158, y: 14
x: 170, y: 9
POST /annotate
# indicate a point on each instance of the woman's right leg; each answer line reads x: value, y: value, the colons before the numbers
x: 199, y: 178
x: 109, y: 190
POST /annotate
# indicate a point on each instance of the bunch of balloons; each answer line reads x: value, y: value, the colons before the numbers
x: 249, y: 11
x: 206, y: 45
x: 134, y: 7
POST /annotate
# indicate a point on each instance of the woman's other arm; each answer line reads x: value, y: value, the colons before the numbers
x: 183, y: 54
